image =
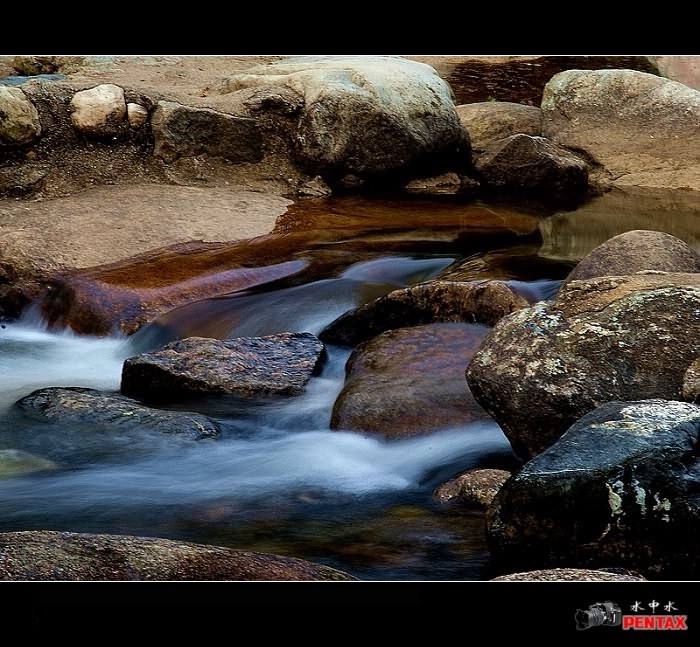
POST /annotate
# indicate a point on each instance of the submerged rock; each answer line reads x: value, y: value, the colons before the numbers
x: 15, y: 462
x: 616, y: 338
x: 619, y: 488
x: 114, y: 412
x: 476, y: 487
x: 570, y: 575
x: 19, y: 122
x: 248, y: 366
x: 410, y: 381
x: 48, y: 555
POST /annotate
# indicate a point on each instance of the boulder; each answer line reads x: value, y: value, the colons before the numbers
x: 19, y: 119
x: 569, y: 575
x: 638, y: 126
x: 186, y: 131
x: 488, y: 121
x: 410, y: 381
x: 616, y: 338
x: 634, y: 251
x: 136, y: 114
x: 526, y: 163
x: 691, y: 382
x: 247, y: 366
x: 48, y: 555
x: 113, y: 412
x: 358, y: 117
x: 684, y: 69
x: 619, y: 488
x: 444, y: 184
x: 437, y: 301
x: 476, y: 487
x: 99, y: 111
x: 15, y: 462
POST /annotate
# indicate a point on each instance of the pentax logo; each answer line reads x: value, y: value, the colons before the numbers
x: 609, y: 614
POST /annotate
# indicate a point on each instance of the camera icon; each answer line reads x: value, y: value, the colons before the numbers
x: 599, y: 614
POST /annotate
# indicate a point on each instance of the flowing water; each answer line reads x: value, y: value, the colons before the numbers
x: 277, y: 479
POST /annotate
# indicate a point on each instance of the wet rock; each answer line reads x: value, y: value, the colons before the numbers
x: 569, y: 575
x: 48, y: 555
x: 410, y: 381
x: 615, y: 338
x: 437, y: 301
x: 447, y: 183
x: 637, y: 126
x: 474, y: 487
x: 619, y: 488
x: 489, y: 121
x: 691, y: 382
x: 114, y: 412
x: 185, y: 131
x: 15, y: 462
x: 522, y: 162
x: 363, y: 116
x: 315, y: 188
x: 99, y: 111
x: 19, y: 119
x: 136, y: 114
x: 247, y: 366
x: 634, y: 251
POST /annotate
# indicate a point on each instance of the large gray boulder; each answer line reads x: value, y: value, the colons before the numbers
x: 616, y: 338
x: 19, y: 119
x: 643, y: 129
x: 357, y: 117
x: 619, y: 488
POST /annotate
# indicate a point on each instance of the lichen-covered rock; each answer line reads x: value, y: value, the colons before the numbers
x: 19, y: 119
x: 186, y: 131
x: 634, y: 251
x: 569, y: 575
x: 614, y: 338
x: 526, y: 163
x: 48, y: 555
x: 619, y: 488
x: 362, y: 116
x: 476, y: 487
x: 16, y: 462
x: 410, y: 381
x: 114, y: 412
x: 99, y: 111
x: 488, y: 121
x: 437, y: 301
x: 247, y: 366
x: 639, y: 127
x: 691, y: 382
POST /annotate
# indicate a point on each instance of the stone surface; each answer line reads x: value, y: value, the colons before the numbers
x: 446, y: 183
x: 619, y: 488
x: 48, y: 555
x: 437, y: 301
x: 362, y: 116
x: 476, y: 487
x: 410, y: 381
x: 569, y: 575
x: 634, y: 251
x: 617, y: 338
x: 522, y: 162
x: 691, y: 382
x: 637, y: 126
x: 186, y: 131
x: 684, y: 69
x: 247, y: 366
x: 114, y: 412
x: 15, y: 462
x: 99, y: 111
x: 488, y: 121
x: 20, y: 181
x: 136, y: 114
x: 19, y: 119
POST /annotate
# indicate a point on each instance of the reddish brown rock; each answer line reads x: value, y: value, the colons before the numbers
x: 476, y: 487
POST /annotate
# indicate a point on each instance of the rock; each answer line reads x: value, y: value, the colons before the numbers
x: 488, y: 121
x: 19, y: 119
x: 637, y: 126
x: 634, y: 251
x: 437, y: 301
x: 474, y: 487
x: 410, y: 381
x: 114, y: 412
x: 684, y: 69
x: 691, y: 382
x: 447, y: 183
x: 247, y: 366
x: 21, y: 180
x: 540, y: 369
x: 522, y: 162
x: 48, y: 555
x: 569, y: 575
x: 15, y: 462
x: 99, y: 111
x: 136, y: 114
x: 363, y: 116
x: 315, y: 188
x: 619, y: 488
x: 37, y: 65
x: 185, y: 131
